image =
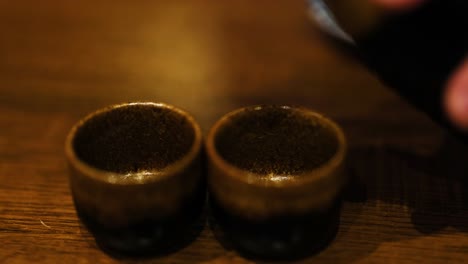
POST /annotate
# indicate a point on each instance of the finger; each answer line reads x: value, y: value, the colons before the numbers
x: 456, y: 97
x: 398, y: 4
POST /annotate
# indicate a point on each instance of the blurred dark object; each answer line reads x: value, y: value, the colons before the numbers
x: 414, y: 52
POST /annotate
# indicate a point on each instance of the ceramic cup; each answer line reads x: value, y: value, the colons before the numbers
x: 275, y: 179
x: 136, y: 175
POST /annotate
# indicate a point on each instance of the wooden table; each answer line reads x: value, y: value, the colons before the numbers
x: 60, y: 60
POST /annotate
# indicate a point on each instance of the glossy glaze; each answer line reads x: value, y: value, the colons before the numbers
x: 136, y: 174
x: 275, y: 167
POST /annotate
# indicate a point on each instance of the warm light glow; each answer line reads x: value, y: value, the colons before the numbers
x: 139, y: 176
x: 179, y: 58
x: 277, y: 178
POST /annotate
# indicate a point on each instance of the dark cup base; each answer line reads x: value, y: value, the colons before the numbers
x: 150, y: 238
x: 285, y: 237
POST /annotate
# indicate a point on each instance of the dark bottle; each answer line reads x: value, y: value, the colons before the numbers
x: 415, y: 52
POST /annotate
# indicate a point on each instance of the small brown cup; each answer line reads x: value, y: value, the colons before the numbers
x: 136, y: 175
x: 275, y: 180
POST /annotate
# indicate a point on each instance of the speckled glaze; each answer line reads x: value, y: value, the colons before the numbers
x: 275, y: 179
x: 136, y: 175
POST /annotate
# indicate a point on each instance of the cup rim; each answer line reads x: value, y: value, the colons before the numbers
x: 119, y: 178
x: 307, y: 177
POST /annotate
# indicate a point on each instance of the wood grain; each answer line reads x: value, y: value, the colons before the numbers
x: 60, y: 60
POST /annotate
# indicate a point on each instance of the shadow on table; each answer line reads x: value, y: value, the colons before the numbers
x: 443, y: 201
x: 389, y: 184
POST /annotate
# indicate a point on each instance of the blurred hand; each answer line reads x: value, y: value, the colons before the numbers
x: 455, y: 95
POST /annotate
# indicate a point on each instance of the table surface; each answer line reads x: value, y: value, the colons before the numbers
x: 60, y: 60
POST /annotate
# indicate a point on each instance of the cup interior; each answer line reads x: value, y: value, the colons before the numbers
x: 134, y: 138
x: 276, y: 141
